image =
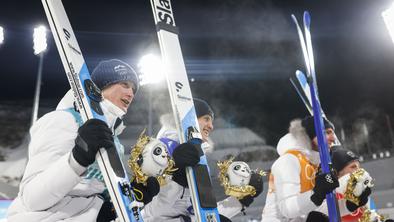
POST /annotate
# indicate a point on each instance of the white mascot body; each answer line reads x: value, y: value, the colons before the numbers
x: 239, y: 173
x: 155, y: 158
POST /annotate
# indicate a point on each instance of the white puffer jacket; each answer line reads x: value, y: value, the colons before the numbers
x: 51, y: 189
x: 286, y: 203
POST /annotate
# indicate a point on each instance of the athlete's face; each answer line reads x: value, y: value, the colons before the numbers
x: 206, y: 126
x: 330, y: 136
x: 350, y: 168
x: 121, y: 94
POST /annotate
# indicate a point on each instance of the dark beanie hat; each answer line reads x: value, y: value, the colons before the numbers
x: 202, y: 108
x: 340, y: 158
x: 309, y: 125
x: 113, y: 71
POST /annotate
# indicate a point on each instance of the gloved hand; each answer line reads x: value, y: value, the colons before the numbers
x: 224, y: 219
x: 256, y: 180
x: 187, y: 154
x: 324, y: 183
x: 107, y: 212
x: 92, y: 135
x: 146, y: 193
x: 184, y: 155
x: 363, y: 200
x: 314, y: 216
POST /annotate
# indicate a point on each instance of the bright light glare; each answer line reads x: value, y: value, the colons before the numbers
x: 1, y: 35
x: 39, y: 39
x: 388, y: 17
x: 152, y: 69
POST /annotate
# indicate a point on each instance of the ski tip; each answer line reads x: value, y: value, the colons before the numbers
x: 307, y: 18
x: 300, y: 74
x: 293, y: 17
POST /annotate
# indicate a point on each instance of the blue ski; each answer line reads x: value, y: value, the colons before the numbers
x: 203, y: 198
x: 306, y: 46
x: 87, y: 99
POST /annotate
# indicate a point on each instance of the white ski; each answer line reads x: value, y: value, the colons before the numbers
x: 87, y: 98
x: 203, y: 198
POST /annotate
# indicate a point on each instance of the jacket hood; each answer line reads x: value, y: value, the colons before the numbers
x: 297, y: 139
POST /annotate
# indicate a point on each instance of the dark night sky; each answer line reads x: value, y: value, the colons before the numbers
x: 241, y: 53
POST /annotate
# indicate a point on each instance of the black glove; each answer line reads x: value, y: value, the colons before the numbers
x: 363, y: 200
x: 223, y: 218
x: 107, y: 212
x: 314, y: 216
x: 146, y: 193
x: 389, y: 220
x: 187, y: 154
x: 324, y: 183
x: 256, y: 180
x: 92, y: 135
x: 184, y: 155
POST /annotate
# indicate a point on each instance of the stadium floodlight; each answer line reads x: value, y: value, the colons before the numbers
x: 1, y: 35
x: 388, y: 17
x: 39, y: 46
x: 151, y: 68
x: 39, y: 39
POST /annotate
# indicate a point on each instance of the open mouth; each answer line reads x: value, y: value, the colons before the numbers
x: 206, y: 132
x: 125, y: 101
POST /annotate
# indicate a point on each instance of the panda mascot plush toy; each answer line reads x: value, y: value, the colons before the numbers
x: 150, y: 158
x: 235, y: 177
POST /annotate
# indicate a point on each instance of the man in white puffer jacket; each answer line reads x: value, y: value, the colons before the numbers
x: 295, y: 189
x: 62, y: 181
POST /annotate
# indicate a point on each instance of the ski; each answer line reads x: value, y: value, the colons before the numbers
x: 306, y: 46
x: 203, y: 198
x: 87, y: 98
x: 301, y: 94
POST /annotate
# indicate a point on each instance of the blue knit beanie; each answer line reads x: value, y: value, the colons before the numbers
x: 112, y: 71
x: 202, y: 108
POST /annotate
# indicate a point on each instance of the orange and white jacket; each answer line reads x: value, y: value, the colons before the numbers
x: 292, y: 179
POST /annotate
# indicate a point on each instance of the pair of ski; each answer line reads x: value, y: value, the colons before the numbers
x: 309, y: 86
x: 87, y: 99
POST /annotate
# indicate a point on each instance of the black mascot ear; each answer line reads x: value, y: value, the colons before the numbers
x: 140, y: 160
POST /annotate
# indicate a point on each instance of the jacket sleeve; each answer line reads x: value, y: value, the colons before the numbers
x: 229, y: 207
x: 291, y: 202
x: 48, y: 176
x: 170, y: 202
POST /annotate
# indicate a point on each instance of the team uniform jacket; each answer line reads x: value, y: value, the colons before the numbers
x: 54, y: 186
x: 291, y: 182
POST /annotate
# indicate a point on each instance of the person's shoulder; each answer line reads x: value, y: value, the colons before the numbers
x: 287, y: 160
x: 57, y: 118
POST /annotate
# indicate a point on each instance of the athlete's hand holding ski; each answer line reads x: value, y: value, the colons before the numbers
x: 92, y: 135
x: 324, y: 184
x: 185, y: 155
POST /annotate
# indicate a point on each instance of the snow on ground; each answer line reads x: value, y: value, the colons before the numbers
x: 12, y: 169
